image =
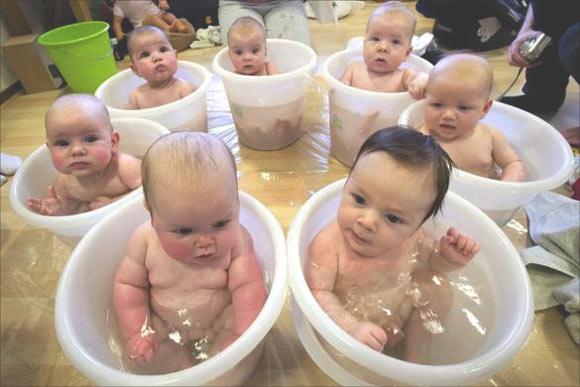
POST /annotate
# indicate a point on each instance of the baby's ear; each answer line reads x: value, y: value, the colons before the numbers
x: 134, y: 69
x: 487, y: 105
x: 409, y: 50
x: 115, y: 138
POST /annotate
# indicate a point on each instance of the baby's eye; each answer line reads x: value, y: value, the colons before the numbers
x: 255, y: 51
x: 238, y: 51
x: 221, y: 224
x: 396, y: 41
x: 358, y: 199
x: 144, y: 54
x: 91, y: 138
x: 163, y: 49
x: 464, y: 108
x: 436, y: 105
x: 391, y: 218
x: 62, y: 143
x: 184, y: 231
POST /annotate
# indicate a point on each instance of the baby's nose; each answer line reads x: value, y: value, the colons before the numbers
x: 77, y: 149
x: 204, y: 242
x: 368, y: 220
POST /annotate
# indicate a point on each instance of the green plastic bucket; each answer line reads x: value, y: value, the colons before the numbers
x: 83, y: 54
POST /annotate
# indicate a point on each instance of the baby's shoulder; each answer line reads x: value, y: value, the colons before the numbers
x: 327, y: 240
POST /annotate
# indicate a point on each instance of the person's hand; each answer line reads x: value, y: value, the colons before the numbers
x: 50, y: 205
x: 99, y: 202
x: 163, y: 5
x: 141, y: 348
x: 119, y: 36
x: 418, y: 85
x: 514, y: 56
x: 370, y: 334
x: 458, y: 248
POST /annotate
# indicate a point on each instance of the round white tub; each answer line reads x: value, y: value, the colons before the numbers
x: 81, y: 316
x: 267, y: 110
x: 188, y: 113
x: 37, y: 173
x: 497, y: 272
x: 355, y: 114
x: 545, y: 153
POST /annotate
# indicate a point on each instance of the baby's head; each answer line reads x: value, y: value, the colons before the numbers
x: 398, y: 180
x: 247, y: 46
x: 152, y: 55
x: 458, y: 95
x: 79, y: 135
x: 388, y: 36
x: 191, y: 192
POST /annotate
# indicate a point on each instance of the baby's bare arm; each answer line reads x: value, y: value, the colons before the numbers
x: 415, y: 83
x: 185, y: 88
x: 512, y: 168
x: 347, y: 78
x: 58, y: 202
x: 453, y: 251
x: 246, y: 284
x: 271, y: 69
x: 130, y: 170
x: 133, y: 100
x: 131, y: 286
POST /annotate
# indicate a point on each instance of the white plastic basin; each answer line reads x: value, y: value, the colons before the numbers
x: 497, y: 272
x: 81, y: 316
x: 267, y: 110
x: 188, y: 113
x: 545, y: 153
x: 355, y: 114
x: 37, y: 173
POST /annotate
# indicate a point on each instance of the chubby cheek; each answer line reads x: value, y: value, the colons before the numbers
x: 344, y: 218
x: 226, y: 239
x: 59, y: 159
x: 178, y: 249
x: 431, y: 117
x: 102, y: 156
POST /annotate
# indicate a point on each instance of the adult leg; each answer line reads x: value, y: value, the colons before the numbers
x: 287, y: 20
x: 156, y: 21
x: 569, y: 51
x: 229, y: 11
x: 175, y: 25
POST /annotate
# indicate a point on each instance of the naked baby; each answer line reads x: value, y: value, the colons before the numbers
x: 190, y: 278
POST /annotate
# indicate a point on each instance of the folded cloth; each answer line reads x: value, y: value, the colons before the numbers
x: 2, y: 179
x: 569, y: 296
x: 9, y: 164
x: 554, y: 225
x: 207, y: 37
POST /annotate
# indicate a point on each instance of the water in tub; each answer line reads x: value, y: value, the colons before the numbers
x: 270, y: 126
x: 453, y: 336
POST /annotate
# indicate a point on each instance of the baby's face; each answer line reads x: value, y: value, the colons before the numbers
x: 196, y: 229
x: 153, y: 58
x: 383, y: 203
x: 247, y: 53
x: 454, y: 107
x: 80, y: 144
x: 387, y: 43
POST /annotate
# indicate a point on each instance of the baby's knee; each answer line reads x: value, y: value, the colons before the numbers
x: 434, y: 289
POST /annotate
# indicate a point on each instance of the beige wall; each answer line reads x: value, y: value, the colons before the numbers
x: 7, y: 78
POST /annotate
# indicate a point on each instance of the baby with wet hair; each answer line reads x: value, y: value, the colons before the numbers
x: 387, y: 44
x: 247, y: 48
x: 458, y: 96
x: 372, y: 269
x: 84, y: 148
x: 154, y: 59
x: 190, y: 283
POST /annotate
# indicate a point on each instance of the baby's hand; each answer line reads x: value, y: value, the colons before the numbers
x: 48, y: 206
x: 418, y: 85
x: 99, y: 202
x: 141, y: 348
x: 458, y: 248
x: 370, y: 334
x: 163, y: 5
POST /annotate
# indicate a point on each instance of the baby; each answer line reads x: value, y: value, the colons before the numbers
x: 247, y: 48
x: 458, y: 96
x: 372, y: 269
x: 145, y: 12
x: 387, y: 44
x: 154, y: 59
x: 190, y: 282
x: 84, y: 148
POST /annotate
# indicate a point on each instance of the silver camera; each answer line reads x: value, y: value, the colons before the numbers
x: 531, y: 49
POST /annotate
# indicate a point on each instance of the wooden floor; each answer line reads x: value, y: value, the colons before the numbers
x: 32, y: 259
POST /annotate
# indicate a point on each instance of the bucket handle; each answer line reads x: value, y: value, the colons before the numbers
x: 85, y: 59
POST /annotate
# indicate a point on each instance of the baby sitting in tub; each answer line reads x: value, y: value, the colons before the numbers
x: 190, y: 283
x: 154, y: 59
x: 247, y: 48
x: 457, y: 97
x: 372, y: 269
x: 387, y: 44
x: 84, y: 148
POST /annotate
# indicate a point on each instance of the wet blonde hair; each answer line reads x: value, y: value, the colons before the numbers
x: 396, y: 8
x: 246, y: 25
x: 465, y: 66
x: 140, y: 32
x: 88, y: 104
x: 186, y: 161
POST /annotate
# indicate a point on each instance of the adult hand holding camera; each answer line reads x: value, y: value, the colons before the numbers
x: 515, y: 57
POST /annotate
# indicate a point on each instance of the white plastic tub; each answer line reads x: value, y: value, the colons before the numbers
x: 497, y: 273
x: 188, y: 113
x: 545, y: 153
x: 37, y: 173
x: 84, y: 298
x: 267, y: 110
x: 355, y: 114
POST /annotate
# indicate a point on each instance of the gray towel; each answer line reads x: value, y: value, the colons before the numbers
x: 554, y: 224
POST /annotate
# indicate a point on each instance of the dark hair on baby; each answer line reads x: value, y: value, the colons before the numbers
x: 414, y: 149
